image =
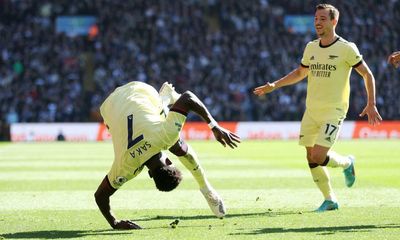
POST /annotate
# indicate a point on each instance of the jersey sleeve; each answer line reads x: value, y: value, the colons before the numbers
x: 172, y: 127
x: 354, y: 58
x: 305, y: 61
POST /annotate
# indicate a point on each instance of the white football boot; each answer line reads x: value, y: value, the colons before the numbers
x: 214, y: 201
x: 168, y: 94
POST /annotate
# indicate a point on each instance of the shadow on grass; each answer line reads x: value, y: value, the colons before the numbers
x: 318, y: 230
x: 234, y: 215
x: 51, y: 234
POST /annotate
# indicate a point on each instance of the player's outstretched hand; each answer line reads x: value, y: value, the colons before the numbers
x: 264, y: 89
x: 225, y: 137
x: 374, y: 118
x: 125, y: 225
x: 394, y: 59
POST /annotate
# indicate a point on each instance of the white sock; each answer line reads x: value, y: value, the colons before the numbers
x: 321, y: 178
x: 337, y: 160
x: 190, y: 161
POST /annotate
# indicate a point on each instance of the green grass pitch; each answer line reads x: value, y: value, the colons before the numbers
x: 46, y: 192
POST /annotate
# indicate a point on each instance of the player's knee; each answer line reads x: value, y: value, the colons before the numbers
x: 179, y: 149
x: 317, y: 158
x: 309, y: 158
x: 97, y: 196
x: 311, y: 164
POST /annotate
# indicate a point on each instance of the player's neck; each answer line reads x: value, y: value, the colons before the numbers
x: 328, y: 38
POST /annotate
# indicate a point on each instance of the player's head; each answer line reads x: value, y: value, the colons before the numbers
x: 165, y: 175
x: 166, y: 178
x: 326, y: 19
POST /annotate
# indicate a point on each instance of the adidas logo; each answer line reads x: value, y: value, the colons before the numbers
x: 328, y: 139
x: 332, y: 57
x: 312, y: 58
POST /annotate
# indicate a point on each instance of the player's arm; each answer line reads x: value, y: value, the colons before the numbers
x: 293, y: 77
x: 370, y: 109
x: 189, y: 102
x: 394, y: 59
x: 102, y: 196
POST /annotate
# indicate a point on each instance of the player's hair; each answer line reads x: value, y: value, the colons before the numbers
x: 333, y: 12
x: 166, y: 178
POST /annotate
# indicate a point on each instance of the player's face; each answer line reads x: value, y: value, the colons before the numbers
x: 322, y: 22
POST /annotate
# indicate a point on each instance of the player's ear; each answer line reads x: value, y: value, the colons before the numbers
x: 335, y: 22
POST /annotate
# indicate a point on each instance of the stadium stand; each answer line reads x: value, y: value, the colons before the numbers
x: 218, y: 49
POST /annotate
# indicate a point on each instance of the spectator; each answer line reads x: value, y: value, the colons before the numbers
x: 219, y: 49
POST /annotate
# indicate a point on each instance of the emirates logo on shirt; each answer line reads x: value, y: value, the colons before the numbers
x: 322, y: 70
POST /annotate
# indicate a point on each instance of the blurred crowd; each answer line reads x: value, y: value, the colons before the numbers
x: 219, y: 49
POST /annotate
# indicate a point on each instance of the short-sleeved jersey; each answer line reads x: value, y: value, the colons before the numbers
x: 329, y: 73
x: 139, y: 128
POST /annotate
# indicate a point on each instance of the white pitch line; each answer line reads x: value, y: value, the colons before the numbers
x: 191, y: 199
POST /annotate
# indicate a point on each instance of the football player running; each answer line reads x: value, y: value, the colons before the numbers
x: 327, y: 62
x: 142, y: 125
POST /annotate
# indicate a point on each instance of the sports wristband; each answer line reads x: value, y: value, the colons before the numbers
x: 212, y: 124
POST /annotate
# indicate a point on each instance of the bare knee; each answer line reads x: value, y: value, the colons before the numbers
x: 309, y: 158
x: 179, y: 149
x: 315, y: 157
x: 318, y: 158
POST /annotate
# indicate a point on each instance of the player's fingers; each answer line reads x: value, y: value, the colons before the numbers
x: 362, y: 114
x: 235, y: 137
x: 232, y: 144
x: 379, y: 117
x: 234, y: 141
x: 371, y: 121
x: 133, y: 225
x: 125, y: 225
x: 260, y: 88
x: 390, y: 58
x: 221, y: 141
x: 258, y: 92
x: 229, y: 139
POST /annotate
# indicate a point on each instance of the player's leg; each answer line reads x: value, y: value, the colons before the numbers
x: 334, y: 159
x: 329, y: 133
x: 168, y: 94
x: 346, y: 163
x: 189, y: 159
x: 308, y: 134
x: 321, y: 177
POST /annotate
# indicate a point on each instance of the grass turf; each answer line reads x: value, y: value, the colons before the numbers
x: 46, y: 192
